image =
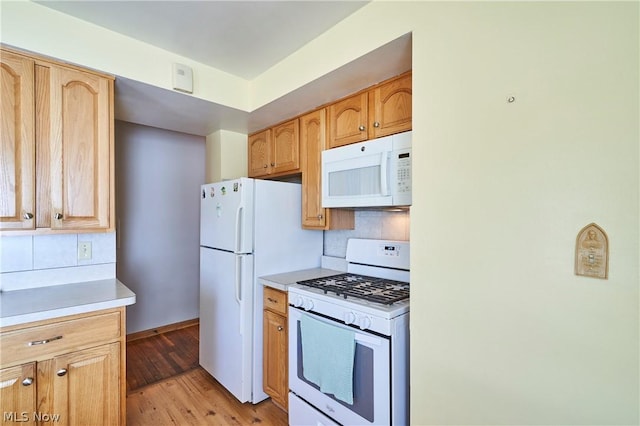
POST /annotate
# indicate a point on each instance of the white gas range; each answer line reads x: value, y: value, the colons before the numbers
x: 370, y: 301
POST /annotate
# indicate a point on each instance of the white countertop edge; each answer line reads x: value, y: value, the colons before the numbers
x: 123, y: 297
x: 63, y: 312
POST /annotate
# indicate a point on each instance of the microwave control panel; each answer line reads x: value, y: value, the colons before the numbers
x: 404, y: 171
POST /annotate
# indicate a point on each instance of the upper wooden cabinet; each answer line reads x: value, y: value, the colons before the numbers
x: 67, y: 133
x: 380, y: 111
x: 390, y: 107
x: 275, y: 151
x: 17, y: 134
x: 312, y: 143
x: 348, y: 120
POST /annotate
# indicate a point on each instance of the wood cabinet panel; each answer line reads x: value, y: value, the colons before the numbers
x: 41, y: 342
x: 57, y: 146
x: 275, y: 151
x: 348, y: 120
x: 81, y: 381
x: 18, y: 391
x: 80, y: 149
x: 275, y: 357
x: 312, y: 143
x: 259, y: 153
x: 390, y: 107
x: 17, y: 135
x: 275, y: 300
x: 86, y: 386
x: 285, y: 156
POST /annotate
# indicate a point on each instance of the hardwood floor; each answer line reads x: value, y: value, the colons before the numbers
x: 166, y: 386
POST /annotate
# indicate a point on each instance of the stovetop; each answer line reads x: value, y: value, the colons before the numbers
x: 362, y: 287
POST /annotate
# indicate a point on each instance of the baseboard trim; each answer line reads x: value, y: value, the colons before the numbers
x: 164, y: 329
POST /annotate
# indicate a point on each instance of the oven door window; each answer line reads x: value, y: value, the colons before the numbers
x: 371, y: 386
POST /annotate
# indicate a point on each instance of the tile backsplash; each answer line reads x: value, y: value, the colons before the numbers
x: 33, y: 261
x: 377, y: 224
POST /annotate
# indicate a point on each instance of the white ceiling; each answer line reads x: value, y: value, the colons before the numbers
x: 244, y: 38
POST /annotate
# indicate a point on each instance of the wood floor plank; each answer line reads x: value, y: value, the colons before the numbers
x: 166, y: 386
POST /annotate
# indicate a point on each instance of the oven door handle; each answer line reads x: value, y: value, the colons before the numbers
x: 360, y: 336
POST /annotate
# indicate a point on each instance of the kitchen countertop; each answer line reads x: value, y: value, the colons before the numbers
x: 284, y: 280
x: 36, y: 304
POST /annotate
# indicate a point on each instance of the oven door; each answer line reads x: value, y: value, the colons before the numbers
x: 371, y: 375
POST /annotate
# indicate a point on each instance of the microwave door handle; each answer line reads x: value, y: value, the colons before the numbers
x: 384, y: 164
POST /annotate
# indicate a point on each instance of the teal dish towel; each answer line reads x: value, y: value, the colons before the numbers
x: 327, y: 357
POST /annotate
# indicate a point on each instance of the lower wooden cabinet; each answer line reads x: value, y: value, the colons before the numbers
x: 63, y: 377
x: 275, y: 375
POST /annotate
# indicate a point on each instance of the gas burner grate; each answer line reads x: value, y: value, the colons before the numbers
x: 378, y: 290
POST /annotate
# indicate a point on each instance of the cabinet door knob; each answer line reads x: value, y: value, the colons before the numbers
x: 273, y: 164
x: 58, y: 216
x: 28, y: 216
x: 265, y: 166
x: 376, y: 124
x: 27, y: 382
x: 280, y: 328
x: 62, y: 372
x: 319, y: 216
x: 361, y: 128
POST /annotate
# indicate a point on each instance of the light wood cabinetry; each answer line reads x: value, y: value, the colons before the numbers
x: 275, y: 375
x: 275, y: 151
x: 348, y: 120
x: 17, y: 146
x: 382, y: 110
x: 312, y: 143
x: 59, y: 174
x: 71, y: 369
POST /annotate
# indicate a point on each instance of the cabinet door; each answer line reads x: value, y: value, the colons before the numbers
x: 85, y: 386
x: 17, y: 118
x: 390, y: 107
x: 259, y: 154
x: 18, y: 392
x: 285, y: 156
x: 275, y: 358
x: 348, y: 121
x: 312, y: 142
x: 80, y: 148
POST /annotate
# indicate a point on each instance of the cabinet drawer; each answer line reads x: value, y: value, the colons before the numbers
x: 43, y: 341
x: 275, y: 300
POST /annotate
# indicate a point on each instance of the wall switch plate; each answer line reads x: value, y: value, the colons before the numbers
x: 84, y: 250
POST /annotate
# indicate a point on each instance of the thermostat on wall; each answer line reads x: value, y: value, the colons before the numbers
x: 182, y: 78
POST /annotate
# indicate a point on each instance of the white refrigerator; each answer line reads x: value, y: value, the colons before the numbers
x: 248, y: 228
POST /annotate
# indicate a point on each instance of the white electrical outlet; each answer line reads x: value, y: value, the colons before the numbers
x: 84, y: 250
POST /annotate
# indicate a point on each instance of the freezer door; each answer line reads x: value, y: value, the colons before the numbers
x: 226, y: 215
x: 226, y: 319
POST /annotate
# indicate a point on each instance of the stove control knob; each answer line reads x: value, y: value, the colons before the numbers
x: 349, y: 318
x: 364, y: 323
x: 307, y: 305
x: 298, y: 302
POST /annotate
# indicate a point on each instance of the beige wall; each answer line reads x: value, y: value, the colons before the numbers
x: 226, y: 156
x: 502, y: 331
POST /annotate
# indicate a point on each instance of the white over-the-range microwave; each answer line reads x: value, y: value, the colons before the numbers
x: 376, y: 173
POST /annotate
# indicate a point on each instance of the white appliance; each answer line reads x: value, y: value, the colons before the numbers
x: 248, y: 228
x: 372, y: 301
x: 376, y: 173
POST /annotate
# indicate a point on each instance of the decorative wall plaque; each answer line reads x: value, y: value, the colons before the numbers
x: 592, y: 252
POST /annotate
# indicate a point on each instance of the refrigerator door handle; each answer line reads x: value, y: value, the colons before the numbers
x: 238, y: 292
x: 239, y: 223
